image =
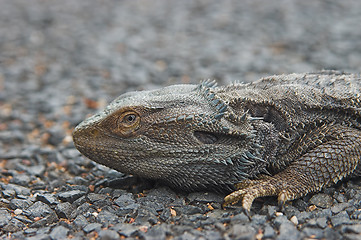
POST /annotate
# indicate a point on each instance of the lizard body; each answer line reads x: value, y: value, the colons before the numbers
x: 284, y: 135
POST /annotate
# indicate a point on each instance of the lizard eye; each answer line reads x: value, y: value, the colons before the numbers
x: 128, y: 120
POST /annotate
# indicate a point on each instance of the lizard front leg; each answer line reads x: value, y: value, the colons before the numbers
x: 320, y: 166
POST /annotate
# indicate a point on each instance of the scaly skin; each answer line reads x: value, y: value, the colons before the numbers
x: 283, y: 136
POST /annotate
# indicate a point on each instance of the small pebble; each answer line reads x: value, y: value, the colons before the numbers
x: 18, y: 211
x: 92, y: 227
x: 59, y: 233
x: 321, y: 200
x: 64, y: 210
x: 71, y: 196
x: 294, y: 220
x: 108, y: 234
x: 4, y: 217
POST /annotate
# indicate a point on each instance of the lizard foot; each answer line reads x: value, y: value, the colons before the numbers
x: 270, y: 186
x: 248, y: 191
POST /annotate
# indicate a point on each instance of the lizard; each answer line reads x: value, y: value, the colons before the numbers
x: 284, y: 135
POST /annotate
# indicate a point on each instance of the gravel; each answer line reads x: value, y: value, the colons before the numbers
x: 61, y: 61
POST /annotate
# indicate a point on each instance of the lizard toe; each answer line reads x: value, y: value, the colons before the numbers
x: 283, y: 197
x: 248, y: 199
x: 233, y: 198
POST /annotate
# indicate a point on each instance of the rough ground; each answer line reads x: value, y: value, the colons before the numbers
x: 63, y: 60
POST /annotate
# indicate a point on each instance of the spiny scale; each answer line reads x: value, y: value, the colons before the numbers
x: 204, y: 88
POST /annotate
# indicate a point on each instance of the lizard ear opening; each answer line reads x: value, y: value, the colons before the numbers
x: 205, y: 137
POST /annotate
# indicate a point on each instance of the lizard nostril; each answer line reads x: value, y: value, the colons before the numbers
x: 94, y: 132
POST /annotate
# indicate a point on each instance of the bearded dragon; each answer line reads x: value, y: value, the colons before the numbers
x: 284, y: 135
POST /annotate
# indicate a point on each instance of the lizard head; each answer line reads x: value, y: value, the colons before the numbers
x: 183, y: 135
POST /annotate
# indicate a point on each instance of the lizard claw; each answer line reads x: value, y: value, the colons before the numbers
x: 282, y: 199
x: 247, y: 213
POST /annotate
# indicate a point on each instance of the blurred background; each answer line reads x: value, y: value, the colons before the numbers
x: 54, y: 53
